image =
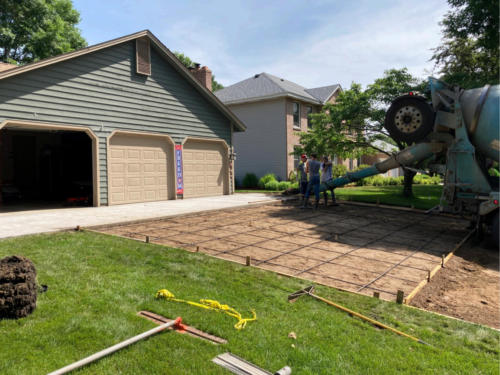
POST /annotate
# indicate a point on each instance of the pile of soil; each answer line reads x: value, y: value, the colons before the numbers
x: 467, y: 288
x: 17, y: 287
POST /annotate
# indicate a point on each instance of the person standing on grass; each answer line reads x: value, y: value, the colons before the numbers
x: 326, y: 174
x: 312, y: 169
x: 302, y: 175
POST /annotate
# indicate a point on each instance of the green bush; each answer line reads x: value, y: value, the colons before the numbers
x: 292, y: 177
x: 283, y: 185
x: 250, y: 181
x: 338, y: 170
x: 272, y: 185
x: 265, y: 179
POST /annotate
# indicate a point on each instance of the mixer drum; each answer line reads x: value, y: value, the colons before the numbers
x: 409, y: 119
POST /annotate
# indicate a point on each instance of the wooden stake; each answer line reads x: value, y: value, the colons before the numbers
x: 400, y: 297
x: 336, y: 237
x: 77, y: 228
x: 376, y: 294
x: 442, y: 260
x: 428, y: 275
x: 248, y: 260
x: 147, y: 239
x: 197, y: 249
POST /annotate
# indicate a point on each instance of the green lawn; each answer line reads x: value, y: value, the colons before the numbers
x: 97, y: 283
x: 424, y: 196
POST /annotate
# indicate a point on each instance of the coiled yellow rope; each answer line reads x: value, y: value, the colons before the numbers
x: 209, y: 305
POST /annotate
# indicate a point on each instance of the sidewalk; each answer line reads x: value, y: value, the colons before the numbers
x: 40, y: 221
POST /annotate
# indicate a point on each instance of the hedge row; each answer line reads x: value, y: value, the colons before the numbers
x: 269, y: 181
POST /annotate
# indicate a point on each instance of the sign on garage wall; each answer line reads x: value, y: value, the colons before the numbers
x: 178, y: 169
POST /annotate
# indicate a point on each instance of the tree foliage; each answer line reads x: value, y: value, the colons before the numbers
x: 187, y: 62
x: 469, y: 53
x: 354, y: 125
x: 35, y: 29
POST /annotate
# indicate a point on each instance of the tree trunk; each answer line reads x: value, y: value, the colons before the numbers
x: 408, y: 183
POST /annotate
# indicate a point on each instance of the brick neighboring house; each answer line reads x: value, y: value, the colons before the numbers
x: 273, y: 109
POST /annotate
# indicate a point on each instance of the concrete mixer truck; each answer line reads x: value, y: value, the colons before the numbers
x: 457, y: 135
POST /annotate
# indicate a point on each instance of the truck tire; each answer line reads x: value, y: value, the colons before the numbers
x: 409, y: 119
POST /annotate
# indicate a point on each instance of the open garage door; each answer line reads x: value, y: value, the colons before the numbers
x: 139, y: 168
x: 46, y: 167
x: 205, y: 168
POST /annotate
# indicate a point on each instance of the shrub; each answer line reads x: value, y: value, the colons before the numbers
x: 338, y: 170
x: 283, y: 185
x: 250, y: 180
x: 265, y: 179
x: 292, y: 177
x: 272, y: 185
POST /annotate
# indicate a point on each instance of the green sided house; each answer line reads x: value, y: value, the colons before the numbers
x: 118, y: 122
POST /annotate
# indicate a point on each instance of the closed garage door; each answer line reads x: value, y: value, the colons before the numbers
x: 205, y: 169
x: 138, y: 169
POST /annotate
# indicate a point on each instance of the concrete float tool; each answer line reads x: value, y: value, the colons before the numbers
x: 114, y: 348
x: 310, y: 292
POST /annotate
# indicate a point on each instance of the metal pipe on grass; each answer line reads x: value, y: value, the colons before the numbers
x: 114, y: 348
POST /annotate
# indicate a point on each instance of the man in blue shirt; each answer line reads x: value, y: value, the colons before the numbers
x: 312, y: 169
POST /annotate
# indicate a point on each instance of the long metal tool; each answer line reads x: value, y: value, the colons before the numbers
x: 115, y: 348
x: 309, y: 291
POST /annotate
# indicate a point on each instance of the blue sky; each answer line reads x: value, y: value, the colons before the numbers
x: 311, y: 42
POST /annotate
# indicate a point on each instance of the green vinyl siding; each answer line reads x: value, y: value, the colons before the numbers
x: 101, y: 91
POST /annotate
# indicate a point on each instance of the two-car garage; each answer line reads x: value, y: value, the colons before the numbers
x: 142, y: 168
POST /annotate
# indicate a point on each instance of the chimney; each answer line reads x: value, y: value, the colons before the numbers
x: 203, y: 75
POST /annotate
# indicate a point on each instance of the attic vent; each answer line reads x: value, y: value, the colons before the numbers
x: 143, y: 56
x: 256, y: 76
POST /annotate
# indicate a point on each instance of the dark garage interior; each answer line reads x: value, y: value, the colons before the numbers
x: 45, y: 167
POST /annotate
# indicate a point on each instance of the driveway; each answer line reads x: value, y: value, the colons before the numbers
x: 40, y: 221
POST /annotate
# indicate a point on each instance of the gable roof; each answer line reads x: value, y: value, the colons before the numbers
x: 159, y: 47
x: 266, y: 86
x: 324, y: 93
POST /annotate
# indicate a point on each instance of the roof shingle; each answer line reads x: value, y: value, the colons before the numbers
x: 265, y: 85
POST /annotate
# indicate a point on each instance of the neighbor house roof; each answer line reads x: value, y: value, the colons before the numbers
x: 266, y: 86
x: 159, y: 47
x: 324, y: 93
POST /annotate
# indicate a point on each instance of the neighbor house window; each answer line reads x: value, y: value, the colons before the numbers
x: 309, y: 110
x: 296, y: 115
x: 296, y: 159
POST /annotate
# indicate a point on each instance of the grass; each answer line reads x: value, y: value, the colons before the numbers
x: 424, y: 196
x: 97, y: 284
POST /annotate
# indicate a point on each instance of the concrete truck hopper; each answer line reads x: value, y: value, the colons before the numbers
x: 457, y: 136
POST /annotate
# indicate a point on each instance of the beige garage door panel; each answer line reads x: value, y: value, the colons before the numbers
x: 205, y: 169
x: 138, y: 169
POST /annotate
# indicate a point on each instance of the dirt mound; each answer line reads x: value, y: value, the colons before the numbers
x: 17, y: 287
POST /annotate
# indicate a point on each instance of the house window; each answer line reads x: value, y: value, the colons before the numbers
x: 296, y: 115
x: 296, y: 158
x: 309, y: 110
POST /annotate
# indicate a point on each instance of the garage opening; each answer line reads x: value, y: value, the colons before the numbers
x: 42, y: 168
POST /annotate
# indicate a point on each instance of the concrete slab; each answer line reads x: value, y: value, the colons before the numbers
x: 39, y: 221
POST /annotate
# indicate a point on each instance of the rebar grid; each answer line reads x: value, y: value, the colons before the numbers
x: 289, y: 215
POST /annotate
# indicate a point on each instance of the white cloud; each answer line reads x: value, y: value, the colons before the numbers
x: 349, y: 44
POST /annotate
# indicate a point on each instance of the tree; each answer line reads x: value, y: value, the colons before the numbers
x: 354, y: 125
x: 469, y: 53
x: 187, y: 62
x: 35, y: 29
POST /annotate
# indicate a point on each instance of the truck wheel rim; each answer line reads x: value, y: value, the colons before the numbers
x: 408, y: 119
